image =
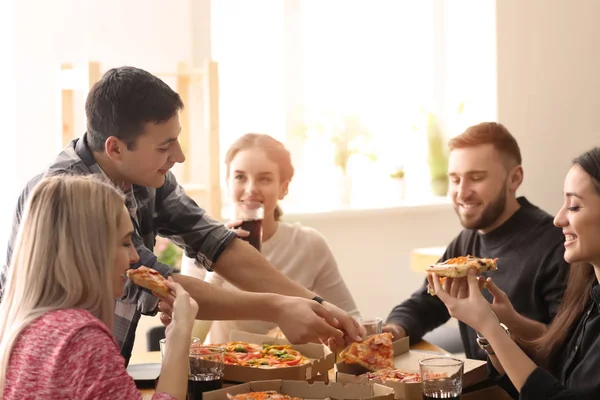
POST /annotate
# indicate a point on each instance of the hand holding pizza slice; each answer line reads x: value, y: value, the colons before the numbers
x: 458, y: 268
x: 149, y: 279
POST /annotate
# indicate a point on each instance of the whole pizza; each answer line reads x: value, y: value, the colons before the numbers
x: 261, y: 356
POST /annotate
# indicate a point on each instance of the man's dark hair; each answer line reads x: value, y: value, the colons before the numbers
x: 123, y: 101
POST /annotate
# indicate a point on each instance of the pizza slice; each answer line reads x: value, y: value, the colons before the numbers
x: 459, y: 266
x: 373, y: 353
x: 149, y: 279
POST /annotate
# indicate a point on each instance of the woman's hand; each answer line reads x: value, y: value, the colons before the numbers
x: 233, y: 225
x: 183, y: 310
x: 501, y: 305
x: 463, y: 299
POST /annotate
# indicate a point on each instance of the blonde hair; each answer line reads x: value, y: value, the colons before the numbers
x: 64, y: 256
x: 274, y: 149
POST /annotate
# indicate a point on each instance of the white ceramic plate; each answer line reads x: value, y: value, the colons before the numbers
x: 144, y: 372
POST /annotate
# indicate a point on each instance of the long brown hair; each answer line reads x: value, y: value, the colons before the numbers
x: 577, y: 293
x: 274, y: 149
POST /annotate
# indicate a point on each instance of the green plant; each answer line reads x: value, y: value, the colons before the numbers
x: 437, y: 149
x: 168, y: 253
x: 437, y: 152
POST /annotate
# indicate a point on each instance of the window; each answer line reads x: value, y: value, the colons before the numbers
x: 347, y: 85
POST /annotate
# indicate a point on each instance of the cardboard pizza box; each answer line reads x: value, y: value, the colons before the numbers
x: 475, y: 371
x: 321, y: 361
x: 308, y: 391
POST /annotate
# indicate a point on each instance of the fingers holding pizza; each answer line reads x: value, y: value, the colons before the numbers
x: 165, y: 312
x: 184, y: 307
x: 162, y: 288
x: 472, y: 309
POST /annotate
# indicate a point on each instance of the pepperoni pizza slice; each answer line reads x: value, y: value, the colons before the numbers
x: 374, y: 353
x: 149, y: 279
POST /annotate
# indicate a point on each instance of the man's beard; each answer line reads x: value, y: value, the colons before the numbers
x: 488, y: 216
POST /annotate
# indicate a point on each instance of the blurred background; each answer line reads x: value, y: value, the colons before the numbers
x: 364, y: 93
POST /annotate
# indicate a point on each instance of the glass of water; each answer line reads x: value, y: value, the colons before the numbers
x: 441, y: 378
x: 372, y: 325
x: 163, y: 345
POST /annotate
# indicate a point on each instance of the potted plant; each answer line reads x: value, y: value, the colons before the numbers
x: 437, y: 153
x: 437, y: 156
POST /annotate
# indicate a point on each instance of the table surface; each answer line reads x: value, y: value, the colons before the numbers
x: 154, y: 357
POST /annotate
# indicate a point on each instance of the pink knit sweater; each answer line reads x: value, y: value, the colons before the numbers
x: 69, y: 354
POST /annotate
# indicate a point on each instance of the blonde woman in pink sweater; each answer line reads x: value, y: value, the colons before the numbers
x: 56, y: 316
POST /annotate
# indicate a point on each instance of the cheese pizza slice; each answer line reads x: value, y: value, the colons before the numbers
x: 149, y: 279
x: 459, y: 266
x: 373, y: 353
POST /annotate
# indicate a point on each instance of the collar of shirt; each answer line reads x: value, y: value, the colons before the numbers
x: 130, y: 201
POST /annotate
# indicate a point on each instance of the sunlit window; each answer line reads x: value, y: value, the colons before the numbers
x: 350, y: 85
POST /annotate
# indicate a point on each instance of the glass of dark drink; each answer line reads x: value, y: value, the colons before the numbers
x: 441, y: 378
x: 206, y: 370
x: 251, y: 214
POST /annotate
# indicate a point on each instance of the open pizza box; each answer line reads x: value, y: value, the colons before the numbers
x: 321, y: 361
x: 308, y: 391
x: 475, y: 371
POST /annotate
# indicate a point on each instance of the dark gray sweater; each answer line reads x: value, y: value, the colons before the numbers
x: 531, y: 270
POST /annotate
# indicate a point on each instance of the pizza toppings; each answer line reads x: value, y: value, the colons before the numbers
x: 374, y: 353
x: 266, y: 395
x: 459, y: 266
x: 149, y: 279
x: 266, y: 356
x: 393, y: 375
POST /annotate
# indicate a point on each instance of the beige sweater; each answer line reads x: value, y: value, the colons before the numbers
x: 302, y: 254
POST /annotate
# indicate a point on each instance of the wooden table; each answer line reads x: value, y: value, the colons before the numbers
x: 154, y: 357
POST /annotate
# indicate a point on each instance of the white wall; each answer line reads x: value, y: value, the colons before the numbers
x: 548, y: 87
x: 8, y: 118
x: 150, y: 34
